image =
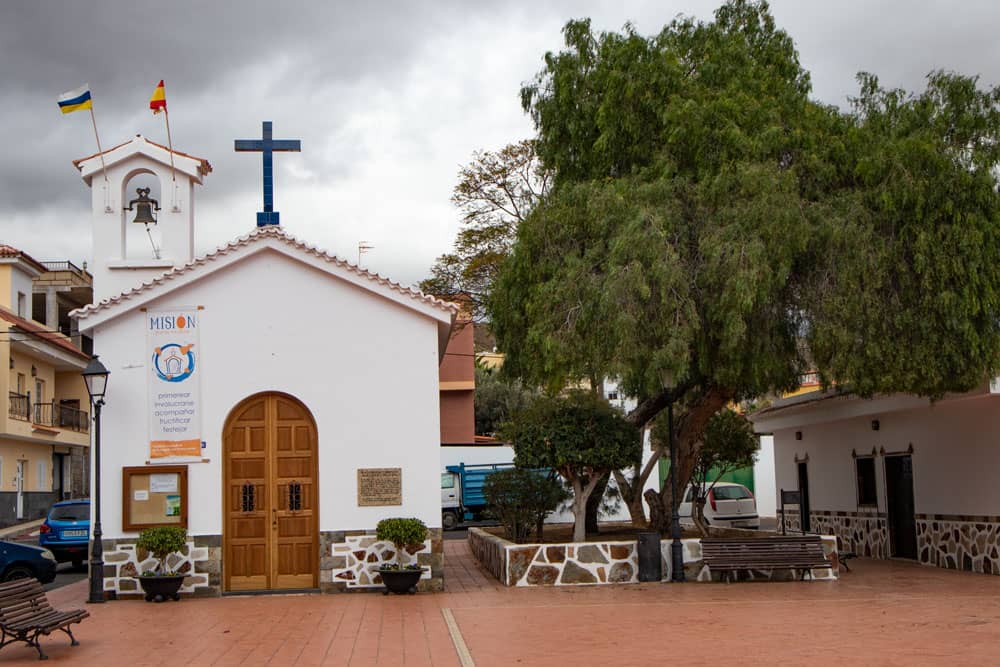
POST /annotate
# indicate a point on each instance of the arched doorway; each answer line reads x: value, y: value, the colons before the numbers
x: 270, y: 504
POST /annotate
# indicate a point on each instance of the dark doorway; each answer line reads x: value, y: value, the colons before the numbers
x: 899, y: 494
x: 58, y: 479
x: 804, y: 492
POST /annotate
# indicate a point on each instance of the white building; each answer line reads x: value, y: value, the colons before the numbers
x: 896, y: 476
x: 294, y: 393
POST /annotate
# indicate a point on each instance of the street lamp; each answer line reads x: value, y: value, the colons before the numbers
x: 96, y: 377
x: 676, y: 546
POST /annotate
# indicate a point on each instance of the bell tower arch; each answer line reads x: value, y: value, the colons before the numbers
x: 169, y: 216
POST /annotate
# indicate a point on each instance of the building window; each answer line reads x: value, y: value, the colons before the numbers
x: 42, y: 476
x: 21, y: 383
x: 39, y: 391
x: 21, y: 305
x: 864, y: 469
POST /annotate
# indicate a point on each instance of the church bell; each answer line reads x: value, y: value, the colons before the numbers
x: 144, y: 213
x: 144, y: 206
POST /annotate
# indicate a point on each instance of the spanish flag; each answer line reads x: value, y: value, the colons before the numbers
x: 75, y: 100
x: 158, y: 102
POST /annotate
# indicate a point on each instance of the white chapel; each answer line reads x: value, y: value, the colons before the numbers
x: 275, y: 400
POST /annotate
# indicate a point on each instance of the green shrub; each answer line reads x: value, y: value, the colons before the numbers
x: 520, y: 500
x: 162, y: 541
x: 402, y: 533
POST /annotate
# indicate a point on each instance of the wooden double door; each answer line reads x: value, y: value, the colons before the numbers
x: 270, y: 541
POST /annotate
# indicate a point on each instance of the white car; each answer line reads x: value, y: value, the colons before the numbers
x: 728, y: 505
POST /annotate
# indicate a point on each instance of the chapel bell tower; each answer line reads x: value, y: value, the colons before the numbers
x: 140, y: 232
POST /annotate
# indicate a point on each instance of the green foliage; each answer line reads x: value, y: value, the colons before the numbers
x: 575, y: 434
x: 520, y: 500
x: 161, y: 541
x: 709, y: 220
x: 494, y: 194
x: 497, y: 398
x: 402, y: 533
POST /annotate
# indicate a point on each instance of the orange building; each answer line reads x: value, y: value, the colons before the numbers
x: 457, y: 381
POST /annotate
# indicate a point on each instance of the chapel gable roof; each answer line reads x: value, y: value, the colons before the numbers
x: 262, y: 237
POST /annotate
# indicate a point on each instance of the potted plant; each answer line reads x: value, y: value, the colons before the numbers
x: 398, y: 576
x: 161, y: 582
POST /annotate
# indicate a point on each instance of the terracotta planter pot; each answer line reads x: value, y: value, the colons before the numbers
x: 161, y: 588
x: 400, y: 581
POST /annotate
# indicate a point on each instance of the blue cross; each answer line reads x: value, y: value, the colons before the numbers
x: 267, y: 145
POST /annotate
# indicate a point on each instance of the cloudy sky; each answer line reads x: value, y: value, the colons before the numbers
x: 388, y: 98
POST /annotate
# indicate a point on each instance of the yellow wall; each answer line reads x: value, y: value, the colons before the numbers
x: 5, y: 288
x: 13, y: 450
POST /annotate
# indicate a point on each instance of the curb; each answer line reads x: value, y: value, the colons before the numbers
x: 21, y: 528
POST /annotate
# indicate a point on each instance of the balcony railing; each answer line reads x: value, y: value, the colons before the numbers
x: 61, y: 416
x: 20, y: 406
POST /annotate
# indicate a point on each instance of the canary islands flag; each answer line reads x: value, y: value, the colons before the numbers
x: 158, y: 102
x: 75, y: 100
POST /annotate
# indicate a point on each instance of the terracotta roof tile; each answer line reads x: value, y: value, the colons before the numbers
x: 40, y: 332
x: 12, y: 252
x: 204, y: 167
x: 248, y: 239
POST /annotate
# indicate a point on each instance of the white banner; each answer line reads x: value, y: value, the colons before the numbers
x: 174, y: 383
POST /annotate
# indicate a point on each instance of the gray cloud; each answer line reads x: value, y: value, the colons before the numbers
x: 389, y: 99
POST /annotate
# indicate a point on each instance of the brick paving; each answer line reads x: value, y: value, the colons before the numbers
x: 889, y: 613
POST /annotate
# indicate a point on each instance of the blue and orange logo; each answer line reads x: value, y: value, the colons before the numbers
x: 173, y: 362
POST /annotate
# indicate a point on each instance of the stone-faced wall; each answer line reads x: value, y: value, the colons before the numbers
x: 865, y: 533
x: 201, y: 561
x: 959, y: 542
x: 350, y: 560
x: 490, y: 551
x: 604, y: 562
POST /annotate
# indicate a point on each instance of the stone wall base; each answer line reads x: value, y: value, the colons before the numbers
x: 349, y: 562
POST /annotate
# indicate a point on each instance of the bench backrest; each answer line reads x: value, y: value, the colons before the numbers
x: 21, y: 599
x: 763, y: 547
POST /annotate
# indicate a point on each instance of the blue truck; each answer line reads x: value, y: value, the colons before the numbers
x: 462, y: 492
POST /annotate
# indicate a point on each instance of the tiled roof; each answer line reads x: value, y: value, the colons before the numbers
x: 203, y: 167
x: 244, y: 241
x: 14, y: 253
x: 39, y: 332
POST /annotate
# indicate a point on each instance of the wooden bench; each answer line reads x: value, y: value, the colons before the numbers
x: 25, y: 615
x: 731, y: 555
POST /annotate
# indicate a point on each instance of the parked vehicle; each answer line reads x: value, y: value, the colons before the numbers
x: 21, y: 561
x: 66, y: 531
x: 728, y: 505
x: 462, y: 492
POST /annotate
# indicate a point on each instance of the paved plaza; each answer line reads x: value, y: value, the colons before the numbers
x: 890, y: 613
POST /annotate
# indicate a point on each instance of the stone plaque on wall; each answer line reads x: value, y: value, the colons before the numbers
x: 380, y: 486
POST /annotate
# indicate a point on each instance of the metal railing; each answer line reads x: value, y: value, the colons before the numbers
x: 61, y: 416
x: 20, y: 406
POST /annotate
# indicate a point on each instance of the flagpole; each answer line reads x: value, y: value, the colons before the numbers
x: 100, y: 152
x: 170, y: 145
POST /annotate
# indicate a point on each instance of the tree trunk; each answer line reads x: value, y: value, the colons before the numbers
x: 594, y: 506
x: 632, y: 497
x: 688, y: 430
x: 698, y: 516
x: 583, y: 487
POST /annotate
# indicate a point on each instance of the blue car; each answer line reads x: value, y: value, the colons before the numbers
x: 22, y: 561
x: 66, y: 531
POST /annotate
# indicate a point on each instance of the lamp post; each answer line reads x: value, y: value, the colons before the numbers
x: 96, y: 377
x: 676, y: 546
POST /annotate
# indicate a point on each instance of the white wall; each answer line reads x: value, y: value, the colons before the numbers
x: 765, y: 490
x: 20, y: 283
x: 956, y: 456
x: 452, y: 456
x: 365, y: 367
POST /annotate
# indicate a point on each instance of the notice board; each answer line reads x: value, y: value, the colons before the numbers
x: 154, y: 496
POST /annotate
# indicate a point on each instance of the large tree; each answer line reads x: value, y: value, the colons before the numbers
x: 495, y: 192
x: 710, y: 222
